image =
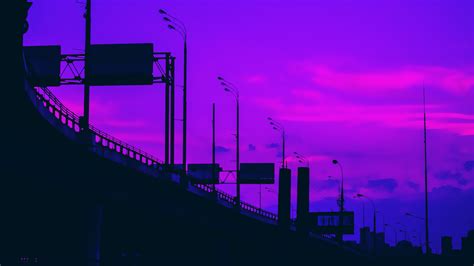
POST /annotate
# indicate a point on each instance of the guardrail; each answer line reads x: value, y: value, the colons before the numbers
x: 243, y: 205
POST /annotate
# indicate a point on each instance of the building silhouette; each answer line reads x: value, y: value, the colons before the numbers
x: 446, y: 245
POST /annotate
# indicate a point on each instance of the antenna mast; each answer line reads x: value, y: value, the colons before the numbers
x: 428, y: 251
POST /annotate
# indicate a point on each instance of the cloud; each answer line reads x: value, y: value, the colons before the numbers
x: 387, y: 184
x: 392, y: 116
x: 446, y: 191
x: 327, y: 184
x: 453, y: 80
x: 256, y: 79
x: 272, y: 146
x: 252, y: 147
x: 222, y: 149
x: 451, y: 175
x: 133, y: 123
x: 469, y: 165
x: 413, y: 185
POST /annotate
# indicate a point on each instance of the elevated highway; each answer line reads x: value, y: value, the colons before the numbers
x: 74, y: 197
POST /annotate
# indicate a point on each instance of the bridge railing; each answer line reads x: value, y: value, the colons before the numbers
x: 70, y: 119
x: 243, y: 205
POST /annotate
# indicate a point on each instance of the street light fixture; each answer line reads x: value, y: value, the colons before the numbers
x: 405, y: 230
x: 279, y: 127
x: 375, y: 217
x: 341, y: 204
x: 395, y: 231
x: 178, y: 26
x: 301, y: 159
x: 232, y: 89
x: 414, y: 216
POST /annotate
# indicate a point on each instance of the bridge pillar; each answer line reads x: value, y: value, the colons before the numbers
x: 302, y: 199
x: 284, y: 198
x: 95, y: 215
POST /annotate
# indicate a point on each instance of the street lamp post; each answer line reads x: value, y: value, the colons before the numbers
x: 363, y: 212
x: 405, y: 231
x: 85, y: 117
x: 341, y: 200
x: 428, y: 250
x: 395, y: 231
x: 232, y: 89
x: 418, y: 218
x: 178, y: 26
x: 341, y: 204
x: 375, y: 219
x: 279, y: 127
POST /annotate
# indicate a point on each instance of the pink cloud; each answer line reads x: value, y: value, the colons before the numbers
x: 324, y: 109
x: 452, y: 80
x: 256, y: 79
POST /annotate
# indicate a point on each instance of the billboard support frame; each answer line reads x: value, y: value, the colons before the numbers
x: 73, y: 71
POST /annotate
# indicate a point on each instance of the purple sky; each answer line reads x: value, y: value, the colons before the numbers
x: 344, y: 77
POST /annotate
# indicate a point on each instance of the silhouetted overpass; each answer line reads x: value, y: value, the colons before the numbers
x: 71, y: 197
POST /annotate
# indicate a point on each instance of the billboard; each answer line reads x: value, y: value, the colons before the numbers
x: 203, y: 173
x: 120, y: 64
x: 43, y: 64
x: 332, y: 222
x: 257, y: 173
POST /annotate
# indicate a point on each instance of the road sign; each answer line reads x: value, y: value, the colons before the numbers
x: 332, y: 222
x: 120, y: 64
x: 257, y: 173
x: 203, y: 173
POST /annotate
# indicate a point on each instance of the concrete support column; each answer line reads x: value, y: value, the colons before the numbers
x: 284, y: 198
x: 302, y: 201
x: 95, y: 215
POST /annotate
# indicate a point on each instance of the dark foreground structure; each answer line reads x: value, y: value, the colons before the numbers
x: 69, y: 198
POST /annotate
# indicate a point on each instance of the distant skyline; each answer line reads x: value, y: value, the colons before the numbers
x: 344, y: 77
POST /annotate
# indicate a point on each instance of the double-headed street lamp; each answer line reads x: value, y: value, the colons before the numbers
x: 279, y: 127
x: 232, y: 89
x: 405, y: 230
x: 341, y: 200
x: 414, y: 216
x: 394, y: 230
x: 301, y: 158
x: 418, y: 218
x: 375, y: 218
x: 177, y: 25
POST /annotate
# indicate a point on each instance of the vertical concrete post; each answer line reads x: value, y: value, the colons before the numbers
x: 302, y: 200
x: 95, y: 215
x: 284, y: 198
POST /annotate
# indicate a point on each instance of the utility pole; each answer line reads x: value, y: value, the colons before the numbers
x: 167, y: 111
x: 214, y: 144
x: 85, y: 117
x: 172, y: 112
x: 283, y: 149
x: 185, y: 103
x: 238, y: 152
x: 428, y: 251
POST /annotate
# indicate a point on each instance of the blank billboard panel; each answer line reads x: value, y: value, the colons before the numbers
x: 120, y: 64
x: 43, y: 64
x: 332, y: 222
x: 203, y: 173
x: 257, y: 173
